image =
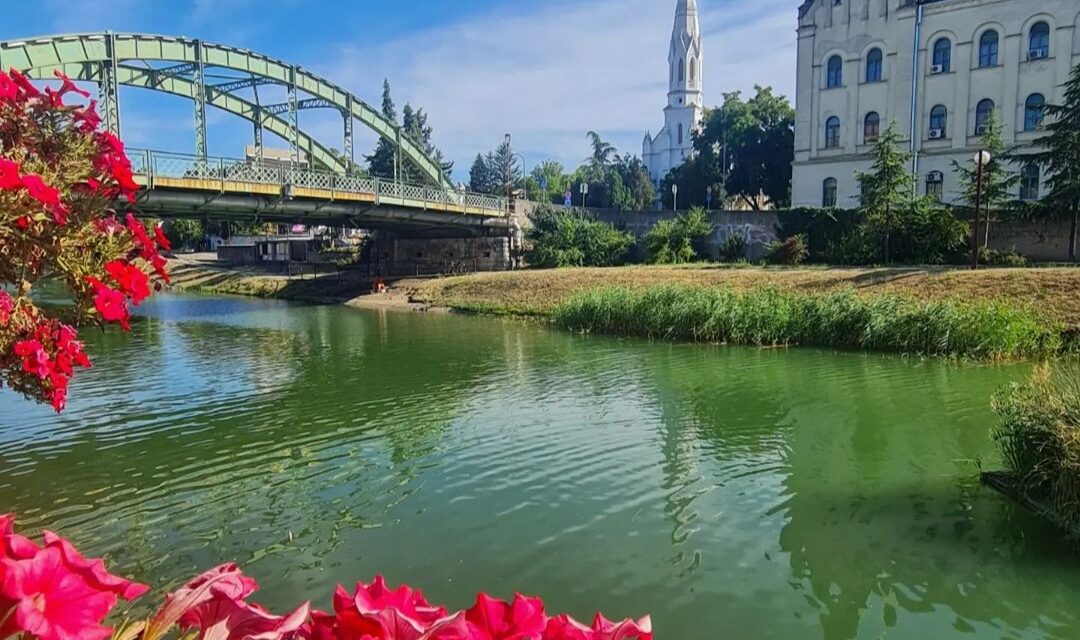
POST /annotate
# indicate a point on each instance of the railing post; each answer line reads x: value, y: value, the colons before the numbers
x: 378, y: 184
x: 221, y: 172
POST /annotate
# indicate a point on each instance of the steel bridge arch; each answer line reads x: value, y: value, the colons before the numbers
x: 106, y: 58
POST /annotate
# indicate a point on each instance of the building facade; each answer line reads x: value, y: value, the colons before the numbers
x: 685, y: 109
x: 941, y: 69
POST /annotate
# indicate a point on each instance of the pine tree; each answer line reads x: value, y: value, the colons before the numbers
x: 886, y: 189
x: 382, y: 163
x: 481, y: 177
x: 414, y: 126
x: 503, y: 169
x: 1059, y: 155
x: 997, y: 183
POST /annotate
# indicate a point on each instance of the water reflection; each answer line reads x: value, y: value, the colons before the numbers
x: 762, y: 493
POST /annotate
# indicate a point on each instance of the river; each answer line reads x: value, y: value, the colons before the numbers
x: 731, y: 492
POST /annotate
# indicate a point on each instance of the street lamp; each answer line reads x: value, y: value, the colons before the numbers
x: 982, y: 158
x: 674, y: 197
x: 506, y: 176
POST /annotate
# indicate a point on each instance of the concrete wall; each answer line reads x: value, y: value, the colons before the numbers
x: 1038, y: 241
x: 759, y: 228
x: 430, y: 256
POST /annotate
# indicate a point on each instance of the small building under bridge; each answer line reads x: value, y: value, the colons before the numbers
x: 264, y: 249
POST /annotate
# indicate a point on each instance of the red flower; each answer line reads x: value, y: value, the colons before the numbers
x: 159, y: 236
x: 68, y: 86
x: 23, y: 223
x: 8, y: 90
x: 27, y: 88
x: 383, y: 614
x: 142, y: 239
x: 566, y: 628
x: 93, y: 571
x: 227, y: 619
x: 7, y: 305
x: 225, y: 582
x: 111, y: 304
x: 51, y: 602
x: 494, y: 619
x: 43, y: 193
x: 88, y: 117
x: 130, y: 279
x: 9, y: 174
x: 34, y: 359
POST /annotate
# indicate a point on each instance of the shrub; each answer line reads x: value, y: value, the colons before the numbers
x: 767, y: 316
x: 60, y: 179
x: 995, y: 258
x: 790, y: 251
x: 1039, y: 438
x: 680, y: 240
x: 734, y: 248
x: 568, y: 238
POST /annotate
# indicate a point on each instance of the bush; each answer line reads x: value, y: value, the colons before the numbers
x: 680, y: 240
x: 569, y: 238
x: 791, y: 251
x: 995, y: 258
x: 768, y: 317
x: 1039, y: 438
x: 734, y: 248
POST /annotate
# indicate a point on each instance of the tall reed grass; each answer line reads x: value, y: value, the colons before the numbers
x: 1040, y: 438
x: 771, y: 317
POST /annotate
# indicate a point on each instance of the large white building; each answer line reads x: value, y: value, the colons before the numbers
x: 685, y: 109
x: 939, y: 68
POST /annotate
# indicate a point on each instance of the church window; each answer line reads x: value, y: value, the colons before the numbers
x: 680, y: 133
x: 681, y: 72
x: 832, y: 133
x: 834, y: 73
x: 693, y: 72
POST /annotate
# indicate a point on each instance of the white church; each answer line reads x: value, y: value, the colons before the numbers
x: 685, y: 109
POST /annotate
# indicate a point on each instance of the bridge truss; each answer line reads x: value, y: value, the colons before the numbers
x: 219, y: 76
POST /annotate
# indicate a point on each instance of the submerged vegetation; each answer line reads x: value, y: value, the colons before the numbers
x: 772, y: 317
x: 1040, y: 439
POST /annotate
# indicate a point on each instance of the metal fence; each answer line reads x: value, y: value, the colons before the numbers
x: 160, y: 164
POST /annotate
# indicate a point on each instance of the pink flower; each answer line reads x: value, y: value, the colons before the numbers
x: 380, y: 613
x: 43, y: 193
x: 225, y: 582
x: 494, y: 619
x: 130, y: 279
x: 9, y: 173
x: 7, y: 305
x: 68, y: 86
x: 93, y: 571
x: 566, y: 628
x: 227, y: 619
x: 34, y: 359
x: 8, y: 90
x: 51, y: 603
x: 26, y: 88
x: 110, y: 303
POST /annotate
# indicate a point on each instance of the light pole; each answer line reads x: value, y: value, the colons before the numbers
x: 524, y: 172
x: 982, y: 158
x: 675, y: 197
x: 506, y: 175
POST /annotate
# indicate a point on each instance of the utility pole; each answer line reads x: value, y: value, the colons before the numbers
x: 982, y: 158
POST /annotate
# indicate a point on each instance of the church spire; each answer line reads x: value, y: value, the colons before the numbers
x: 685, y: 56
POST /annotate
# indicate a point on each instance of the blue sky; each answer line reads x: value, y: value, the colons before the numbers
x: 546, y: 71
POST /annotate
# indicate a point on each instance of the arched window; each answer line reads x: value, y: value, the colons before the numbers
x: 983, y: 113
x: 873, y: 65
x: 682, y: 72
x: 939, y: 121
x: 942, y: 56
x: 680, y: 133
x: 988, y: 49
x: 693, y: 72
x: 1039, y: 41
x: 1033, y: 111
x: 871, y: 127
x: 1029, y: 182
x: 835, y: 73
x: 832, y: 133
x: 828, y: 192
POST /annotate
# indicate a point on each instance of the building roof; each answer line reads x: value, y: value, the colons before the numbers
x: 808, y: 4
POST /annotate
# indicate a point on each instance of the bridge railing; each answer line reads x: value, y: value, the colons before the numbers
x: 160, y: 164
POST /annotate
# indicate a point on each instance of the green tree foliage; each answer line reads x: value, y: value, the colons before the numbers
x: 679, y: 240
x: 886, y: 189
x: 490, y: 173
x: 184, y: 232
x: 571, y: 238
x: 481, y: 177
x: 381, y: 162
x: 754, y: 140
x: 615, y: 181
x: 1059, y: 155
x: 554, y: 175
x: 603, y: 154
x: 998, y: 184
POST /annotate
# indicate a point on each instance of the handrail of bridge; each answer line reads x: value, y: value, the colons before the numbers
x: 161, y: 164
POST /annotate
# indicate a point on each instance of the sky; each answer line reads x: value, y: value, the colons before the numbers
x: 546, y: 71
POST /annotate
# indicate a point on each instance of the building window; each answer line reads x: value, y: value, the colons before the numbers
x: 828, y: 193
x: 1034, y: 108
x: 835, y: 75
x: 693, y: 72
x: 988, y: 49
x: 832, y: 133
x: 983, y: 114
x: 871, y: 127
x: 942, y: 56
x: 1039, y: 41
x: 873, y: 65
x: 939, y: 121
x: 935, y: 185
x: 1029, y: 182
x: 682, y: 72
x: 680, y: 133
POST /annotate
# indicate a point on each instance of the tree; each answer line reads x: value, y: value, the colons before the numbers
x: 571, y: 238
x: 680, y: 240
x: 886, y: 189
x: 1059, y: 155
x: 639, y: 190
x: 60, y: 179
x: 414, y: 126
x: 755, y: 142
x: 995, y: 189
x: 602, y: 155
x: 382, y: 163
x: 504, y: 168
x: 184, y: 232
x: 552, y: 174
x: 481, y: 178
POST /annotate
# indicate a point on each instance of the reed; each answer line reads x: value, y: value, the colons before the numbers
x: 767, y: 316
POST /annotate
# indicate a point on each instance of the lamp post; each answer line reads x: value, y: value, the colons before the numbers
x: 506, y: 175
x: 982, y: 158
x: 675, y: 197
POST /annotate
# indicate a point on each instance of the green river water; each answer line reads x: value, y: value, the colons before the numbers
x: 732, y: 493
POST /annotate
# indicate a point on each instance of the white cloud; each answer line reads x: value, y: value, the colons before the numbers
x: 548, y: 74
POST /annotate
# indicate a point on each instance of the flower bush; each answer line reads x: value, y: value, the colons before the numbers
x: 60, y: 179
x: 49, y: 591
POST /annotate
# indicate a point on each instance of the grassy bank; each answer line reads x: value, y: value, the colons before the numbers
x: 772, y: 317
x: 1055, y: 293
x: 1040, y: 440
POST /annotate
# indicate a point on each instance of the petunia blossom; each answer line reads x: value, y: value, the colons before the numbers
x: 9, y: 175
x: 129, y: 279
x: 494, y: 619
x: 227, y: 619
x: 564, y: 627
x: 93, y: 570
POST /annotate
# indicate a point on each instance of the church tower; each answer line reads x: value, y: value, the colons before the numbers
x: 685, y: 108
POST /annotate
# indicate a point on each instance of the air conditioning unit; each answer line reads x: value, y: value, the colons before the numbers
x: 982, y: 129
x: 1037, y: 54
x: 937, y: 134
x: 935, y: 176
x: 937, y: 68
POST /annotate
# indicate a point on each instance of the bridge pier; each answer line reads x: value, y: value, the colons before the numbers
x: 396, y: 254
